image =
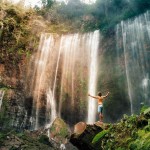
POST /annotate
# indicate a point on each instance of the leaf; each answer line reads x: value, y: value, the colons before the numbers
x: 99, y: 136
x: 147, y: 111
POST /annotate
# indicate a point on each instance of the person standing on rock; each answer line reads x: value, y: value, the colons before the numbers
x: 100, y: 99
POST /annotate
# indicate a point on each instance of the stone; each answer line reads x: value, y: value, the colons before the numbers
x: 83, y: 141
x: 79, y: 127
x: 60, y: 131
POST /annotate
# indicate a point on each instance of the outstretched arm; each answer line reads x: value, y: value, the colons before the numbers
x: 106, y: 95
x: 96, y: 97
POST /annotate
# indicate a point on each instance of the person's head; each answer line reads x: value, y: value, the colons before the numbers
x: 99, y: 94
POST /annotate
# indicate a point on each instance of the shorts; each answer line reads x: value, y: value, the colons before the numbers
x: 100, y: 108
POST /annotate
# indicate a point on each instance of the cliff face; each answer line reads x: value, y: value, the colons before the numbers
x: 19, y: 35
x: 12, y: 83
x: 112, y: 78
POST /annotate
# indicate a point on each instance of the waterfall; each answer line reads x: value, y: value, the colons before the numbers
x: 133, y: 42
x: 62, y: 72
x: 94, y: 42
x: 1, y: 97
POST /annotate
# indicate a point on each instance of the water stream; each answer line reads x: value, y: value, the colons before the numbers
x: 133, y: 38
x: 64, y: 70
x: 1, y: 97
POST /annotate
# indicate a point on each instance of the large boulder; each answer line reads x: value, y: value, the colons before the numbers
x: 59, y: 131
x: 84, y: 134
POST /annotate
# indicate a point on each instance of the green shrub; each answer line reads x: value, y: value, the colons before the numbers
x: 44, y: 139
x: 144, y: 108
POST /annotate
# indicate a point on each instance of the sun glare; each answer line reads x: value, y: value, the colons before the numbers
x: 89, y: 1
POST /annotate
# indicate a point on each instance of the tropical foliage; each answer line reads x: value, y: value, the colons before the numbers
x: 132, y: 132
x: 103, y: 15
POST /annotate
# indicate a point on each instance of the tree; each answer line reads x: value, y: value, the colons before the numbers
x: 47, y: 3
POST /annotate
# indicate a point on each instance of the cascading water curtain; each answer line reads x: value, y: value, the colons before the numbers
x: 133, y: 43
x: 92, y: 109
x: 65, y: 70
x: 1, y: 97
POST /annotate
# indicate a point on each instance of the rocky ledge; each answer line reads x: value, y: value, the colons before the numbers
x: 130, y: 133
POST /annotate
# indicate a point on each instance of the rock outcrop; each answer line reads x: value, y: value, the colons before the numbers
x: 84, y: 134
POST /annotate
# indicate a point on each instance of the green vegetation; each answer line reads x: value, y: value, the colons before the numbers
x: 132, y: 132
x: 59, y: 128
x: 15, y: 33
x: 47, y: 3
x: 24, y: 140
x: 99, y: 136
x: 142, y: 142
x: 16, y: 23
x: 104, y: 15
x: 44, y: 139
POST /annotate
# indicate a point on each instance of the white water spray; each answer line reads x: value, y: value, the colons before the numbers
x: 1, y: 97
x: 135, y: 36
x: 94, y: 42
x: 65, y: 70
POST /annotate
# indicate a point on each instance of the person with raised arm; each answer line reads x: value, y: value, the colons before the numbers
x: 100, y: 99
